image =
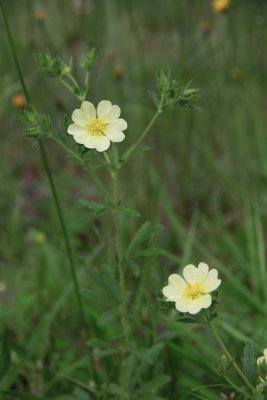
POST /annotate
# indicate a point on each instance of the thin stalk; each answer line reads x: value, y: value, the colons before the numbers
x: 143, y: 135
x: 230, y: 358
x: 69, y: 88
x: 239, y: 390
x: 124, y: 319
x: 91, y: 172
x: 50, y: 179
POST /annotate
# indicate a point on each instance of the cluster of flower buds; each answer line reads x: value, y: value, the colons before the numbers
x: 52, y: 67
x: 172, y: 95
x: 36, y: 125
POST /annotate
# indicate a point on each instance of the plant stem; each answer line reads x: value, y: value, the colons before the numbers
x: 239, y: 390
x: 124, y: 319
x: 230, y: 358
x: 91, y: 172
x: 143, y: 135
x: 49, y: 175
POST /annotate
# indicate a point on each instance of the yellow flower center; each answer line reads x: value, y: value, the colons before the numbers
x: 97, y: 126
x: 193, y: 291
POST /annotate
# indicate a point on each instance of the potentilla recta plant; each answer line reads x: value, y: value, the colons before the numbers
x: 92, y: 136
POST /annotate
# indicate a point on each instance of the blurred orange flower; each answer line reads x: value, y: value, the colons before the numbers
x: 237, y: 73
x: 118, y: 72
x: 19, y: 100
x: 39, y: 14
x: 220, y: 6
x: 206, y: 26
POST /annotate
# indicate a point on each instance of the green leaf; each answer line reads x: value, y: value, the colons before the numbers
x: 107, y: 317
x: 134, y: 267
x: 128, y: 211
x: 155, y: 384
x: 92, y: 204
x: 249, y: 362
x: 98, y: 343
x: 144, y: 232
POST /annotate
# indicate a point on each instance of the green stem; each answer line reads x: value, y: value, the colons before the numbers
x: 230, y: 358
x: 239, y: 390
x: 91, y: 172
x: 143, y: 135
x: 124, y: 319
x: 50, y: 179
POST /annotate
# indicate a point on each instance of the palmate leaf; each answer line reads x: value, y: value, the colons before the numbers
x: 147, y: 358
x: 249, y: 362
x: 143, y: 233
x: 154, y: 384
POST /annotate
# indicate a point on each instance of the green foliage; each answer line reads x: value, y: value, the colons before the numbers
x: 211, y: 165
x: 173, y: 95
x: 78, y: 394
x: 249, y: 362
x: 36, y: 125
x: 88, y: 59
x: 51, y: 67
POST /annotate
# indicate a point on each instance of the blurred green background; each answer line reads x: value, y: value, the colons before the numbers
x: 213, y: 197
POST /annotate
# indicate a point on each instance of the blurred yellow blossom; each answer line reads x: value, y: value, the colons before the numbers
x: 96, y: 128
x: 192, y: 293
x: 220, y: 6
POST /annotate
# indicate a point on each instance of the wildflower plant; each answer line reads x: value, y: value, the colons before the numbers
x: 195, y: 302
x: 90, y: 133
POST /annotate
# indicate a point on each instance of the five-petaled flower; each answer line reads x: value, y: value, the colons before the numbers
x: 192, y: 293
x: 96, y: 128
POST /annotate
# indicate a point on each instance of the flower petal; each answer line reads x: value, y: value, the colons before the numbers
x: 118, y: 125
x: 103, y: 108
x: 89, y: 110
x: 113, y: 114
x: 115, y: 136
x: 80, y: 137
x: 75, y: 129
x: 197, y: 304
x: 193, y: 274
x: 80, y: 118
x: 182, y: 304
x: 102, y: 143
x: 175, y: 288
x: 211, y: 282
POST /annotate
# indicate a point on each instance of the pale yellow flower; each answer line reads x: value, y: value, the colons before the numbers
x: 262, y: 359
x: 192, y: 293
x: 96, y: 128
x: 220, y: 6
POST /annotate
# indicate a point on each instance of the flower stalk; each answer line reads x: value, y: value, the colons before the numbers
x: 229, y: 357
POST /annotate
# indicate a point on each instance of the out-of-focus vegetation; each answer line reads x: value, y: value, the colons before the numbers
x: 204, y: 180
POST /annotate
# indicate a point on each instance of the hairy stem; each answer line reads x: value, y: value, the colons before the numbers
x: 124, y: 319
x: 230, y: 358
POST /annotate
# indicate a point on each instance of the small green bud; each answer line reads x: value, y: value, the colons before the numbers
x: 88, y: 59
